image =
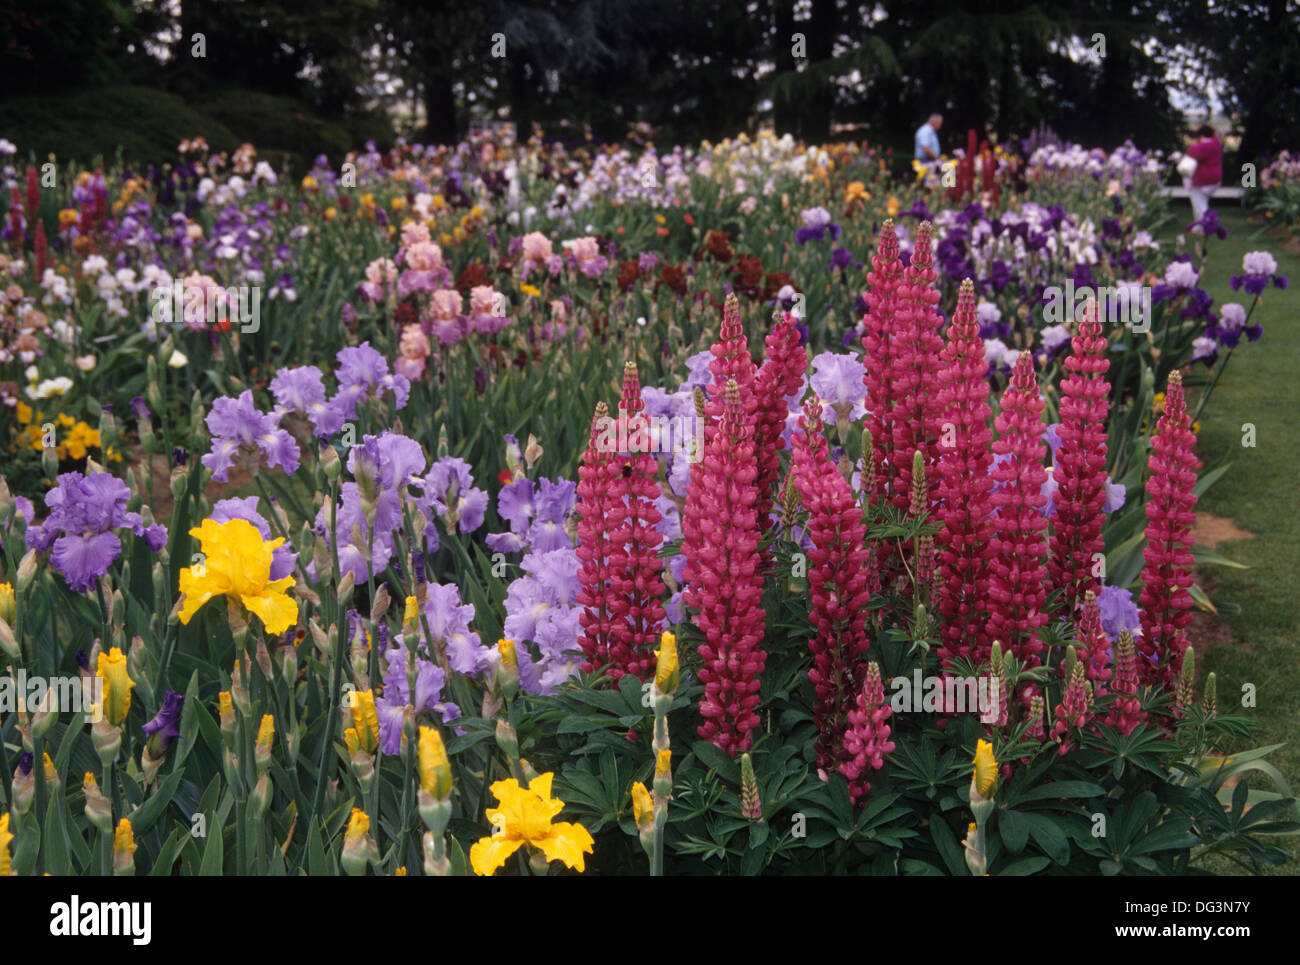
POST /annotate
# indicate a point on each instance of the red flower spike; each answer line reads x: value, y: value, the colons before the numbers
x: 839, y: 583
x: 964, y: 487
x: 1126, y: 710
x: 635, y: 585
x: 594, y: 510
x: 1165, y: 600
x: 779, y: 378
x: 1080, y: 471
x: 724, y: 584
x: 883, y: 282
x: 913, y: 370
x: 1018, y: 548
x: 867, y: 737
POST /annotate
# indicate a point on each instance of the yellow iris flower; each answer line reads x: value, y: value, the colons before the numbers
x: 238, y: 564
x: 5, y: 838
x: 986, y: 769
x: 365, y: 719
x: 667, y: 673
x: 111, y: 668
x: 435, y: 771
x: 642, y: 805
x: 525, y: 818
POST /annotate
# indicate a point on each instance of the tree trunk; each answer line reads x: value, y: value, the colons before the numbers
x: 440, y: 122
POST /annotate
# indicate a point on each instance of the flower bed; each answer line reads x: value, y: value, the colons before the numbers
x: 746, y: 445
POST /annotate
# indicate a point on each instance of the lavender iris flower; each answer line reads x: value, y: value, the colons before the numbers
x: 80, y: 532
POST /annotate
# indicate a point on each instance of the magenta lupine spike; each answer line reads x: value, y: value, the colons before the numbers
x: 1167, y: 574
x: 780, y: 377
x: 883, y: 282
x: 1000, y: 679
x: 1185, y: 694
x: 838, y: 579
x: 964, y: 486
x: 1018, y: 563
x: 866, y: 739
x: 1126, y: 711
x: 923, y: 571
x: 594, y: 497
x: 635, y: 589
x: 914, y: 364
x: 724, y: 584
x: 1072, y: 711
x: 1080, y: 465
x: 731, y: 360
x: 1092, y: 644
x: 1037, y: 729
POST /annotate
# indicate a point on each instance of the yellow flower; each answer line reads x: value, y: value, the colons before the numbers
x: 68, y: 217
x: 8, y: 604
x: 412, y: 614
x: 5, y: 838
x: 398, y: 204
x: 117, y: 685
x: 400, y: 872
x: 891, y: 207
x: 530, y: 290
x: 525, y: 818
x: 266, y: 731
x: 24, y: 413
x: 308, y: 183
x: 238, y: 564
x: 435, y: 771
x: 642, y: 804
x: 507, y: 650
x: 365, y: 719
x: 856, y: 190
x: 50, y: 773
x: 331, y: 213
x: 358, y: 826
x: 663, y: 763
x: 986, y: 769
x: 123, y: 838
x: 660, y: 219
x: 352, y: 740
x: 667, y: 675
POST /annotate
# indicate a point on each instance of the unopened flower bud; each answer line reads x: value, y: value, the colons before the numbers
x: 123, y: 849
x: 98, y: 811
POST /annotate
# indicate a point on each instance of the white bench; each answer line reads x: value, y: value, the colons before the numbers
x: 1219, y: 192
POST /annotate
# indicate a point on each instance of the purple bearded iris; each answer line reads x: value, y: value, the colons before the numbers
x: 302, y: 389
x: 816, y: 225
x: 449, y: 492
x: 1118, y: 612
x: 237, y: 423
x: 537, y: 519
x: 429, y: 682
x: 837, y: 380
x: 382, y: 466
x: 363, y: 374
x: 79, y: 532
x: 166, y: 724
x: 542, y: 618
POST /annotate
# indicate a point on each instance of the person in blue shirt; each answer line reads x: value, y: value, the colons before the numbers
x: 927, y: 139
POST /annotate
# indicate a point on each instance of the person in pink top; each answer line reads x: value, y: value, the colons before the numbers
x: 1208, y: 153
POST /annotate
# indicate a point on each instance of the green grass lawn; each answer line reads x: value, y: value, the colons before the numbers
x: 1258, y: 605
